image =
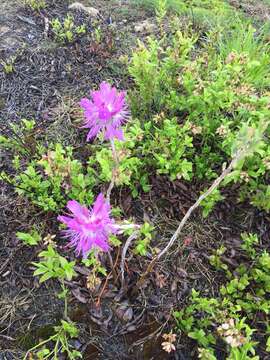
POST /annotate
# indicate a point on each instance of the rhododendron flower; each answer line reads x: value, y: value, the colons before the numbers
x: 106, y: 112
x: 88, y: 229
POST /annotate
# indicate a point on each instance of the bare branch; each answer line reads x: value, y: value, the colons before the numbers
x: 239, y: 155
x: 123, y: 257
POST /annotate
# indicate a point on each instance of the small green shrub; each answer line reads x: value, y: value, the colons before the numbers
x: 162, y: 145
x: 144, y: 239
x: 49, y: 182
x: 169, y: 144
x: 249, y: 241
x: 54, y: 266
x: 36, y: 5
x: 66, y: 31
x: 63, y: 332
x: 21, y: 142
x: 208, y: 203
x: 8, y: 65
x: 204, y: 13
x: 215, y: 90
x: 242, y: 304
x: 182, y: 6
x: 155, y: 71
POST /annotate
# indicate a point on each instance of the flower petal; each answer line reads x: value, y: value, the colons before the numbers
x: 77, y: 209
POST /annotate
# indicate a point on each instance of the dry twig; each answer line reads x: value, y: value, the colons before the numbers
x: 123, y: 256
x: 239, y: 155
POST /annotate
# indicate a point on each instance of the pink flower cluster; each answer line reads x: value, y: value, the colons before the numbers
x: 88, y: 229
x: 106, y: 112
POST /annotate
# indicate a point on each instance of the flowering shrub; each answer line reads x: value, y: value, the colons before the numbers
x: 55, y: 179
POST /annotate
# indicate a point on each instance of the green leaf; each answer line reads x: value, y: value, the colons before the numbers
x: 41, y: 269
x: 46, y: 277
x: 31, y: 239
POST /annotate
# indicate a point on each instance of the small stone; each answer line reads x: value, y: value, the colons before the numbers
x: 145, y: 26
x: 87, y: 9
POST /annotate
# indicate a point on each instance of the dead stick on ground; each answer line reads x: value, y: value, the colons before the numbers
x: 123, y: 256
x: 115, y: 276
x: 239, y: 155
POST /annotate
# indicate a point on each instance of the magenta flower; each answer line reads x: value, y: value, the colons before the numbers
x: 105, y: 112
x: 88, y: 228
